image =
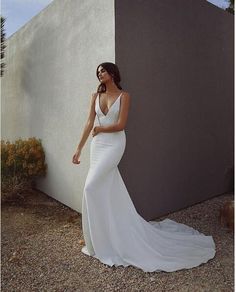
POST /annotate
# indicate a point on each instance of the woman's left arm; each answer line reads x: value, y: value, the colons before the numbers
x: 123, y: 116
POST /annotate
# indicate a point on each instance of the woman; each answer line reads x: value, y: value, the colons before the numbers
x: 113, y: 231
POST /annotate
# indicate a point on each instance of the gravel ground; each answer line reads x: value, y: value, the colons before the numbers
x: 41, y: 252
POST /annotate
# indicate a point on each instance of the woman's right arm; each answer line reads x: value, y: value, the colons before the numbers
x: 89, y: 124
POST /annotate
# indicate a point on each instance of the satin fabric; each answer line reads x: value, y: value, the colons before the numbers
x: 114, y: 232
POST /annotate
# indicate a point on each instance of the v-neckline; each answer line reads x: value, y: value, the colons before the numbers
x: 110, y: 106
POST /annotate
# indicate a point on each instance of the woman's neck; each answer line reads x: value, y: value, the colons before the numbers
x: 111, y: 88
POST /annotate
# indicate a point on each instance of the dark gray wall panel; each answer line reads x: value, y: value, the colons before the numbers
x: 176, y: 61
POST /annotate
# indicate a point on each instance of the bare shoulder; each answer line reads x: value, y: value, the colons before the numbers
x: 126, y: 98
x: 93, y: 96
x: 126, y: 95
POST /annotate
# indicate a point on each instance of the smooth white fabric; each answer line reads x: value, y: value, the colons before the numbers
x: 114, y: 232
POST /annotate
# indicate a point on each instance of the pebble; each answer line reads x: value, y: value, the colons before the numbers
x: 42, y: 254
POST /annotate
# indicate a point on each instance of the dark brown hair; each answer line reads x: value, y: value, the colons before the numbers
x: 113, y: 70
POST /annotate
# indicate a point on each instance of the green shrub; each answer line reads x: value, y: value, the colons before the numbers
x: 21, y: 163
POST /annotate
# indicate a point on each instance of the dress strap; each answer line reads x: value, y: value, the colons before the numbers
x: 96, y: 106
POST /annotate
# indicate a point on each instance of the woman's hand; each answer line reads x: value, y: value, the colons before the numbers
x: 76, y: 156
x: 96, y: 130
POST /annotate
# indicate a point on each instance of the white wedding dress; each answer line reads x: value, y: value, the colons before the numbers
x: 114, y: 232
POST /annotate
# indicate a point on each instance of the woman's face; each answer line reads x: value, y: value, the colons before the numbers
x: 103, y: 75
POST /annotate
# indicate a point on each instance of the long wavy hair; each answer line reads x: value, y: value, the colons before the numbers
x: 113, y: 70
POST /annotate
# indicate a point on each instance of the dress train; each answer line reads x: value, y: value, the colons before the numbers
x: 114, y: 232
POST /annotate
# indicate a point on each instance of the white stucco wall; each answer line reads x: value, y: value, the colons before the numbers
x: 49, y: 77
